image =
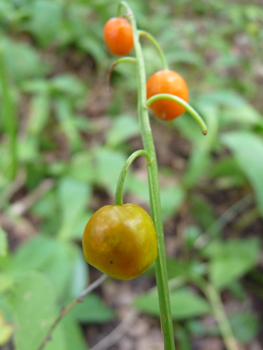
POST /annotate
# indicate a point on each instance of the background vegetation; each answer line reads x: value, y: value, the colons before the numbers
x: 64, y: 139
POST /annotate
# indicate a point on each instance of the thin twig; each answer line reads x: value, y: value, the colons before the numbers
x: 66, y: 309
x: 21, y: 206
x: 118, y: 332
x: 224, y: 219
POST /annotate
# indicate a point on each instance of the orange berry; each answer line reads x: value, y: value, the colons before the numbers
x: 118, y: 36
x: 169, y: 82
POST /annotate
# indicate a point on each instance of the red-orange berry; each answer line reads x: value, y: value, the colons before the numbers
x: 118, y: 36
x: 169, y: 82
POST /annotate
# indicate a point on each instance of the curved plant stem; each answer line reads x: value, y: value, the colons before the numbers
x: 181, y: 102
x: 152, y: 168
x: 156, y: 45
x: 222, y: 320
x: 134, y: 155
x: 66, y: 309
x: 123, y: 59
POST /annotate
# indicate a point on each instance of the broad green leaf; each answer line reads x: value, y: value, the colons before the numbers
x: 108, y: 165
x: 74, y: 337
x: 33, y: 302
x: 77, y: 231
x: 3, y: 242
x: 124, y: 127
x: 46, y: 206
x: 32, y: 255
x: 93, y: 47
x: 5, y: 308
x: 190, y: 236
x: 48, y: 15
x: 81, y: 167
x: 244, y: 115
x: 171, y: 198
x: 39, y: 113
x: 6, y: 330
x: 190, y: 270
x: 176, y: 268
x: 79, y: 278
x: 29, y: 63
x: 227, y: 173
x: 247, y: 148
x: 73, y: 198
x: 27, y: 150
x: 55, y: 259
x: 138, y: 187
x: 245, y: 326
x: 184, y: 304
x: 68, y: 85
x: 200, y: 157
x: 92, y: 310
x: 6, y: 282
x: 203, y: 213
x: 231, y: 259
x: 226, y: 98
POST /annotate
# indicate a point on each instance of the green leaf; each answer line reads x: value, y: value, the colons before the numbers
x: 29, y: 64
x: 201, y: 155
x: 6, y: 330
x: 39, y: 113
x: 73, y: 198
x: 73, y: 334
x: 65, y: 115
x: 247, y: 148
x: 55, y: 259
x: 92, y: 310
x: 79, y: 278
x: 226, y: 98
x: 124, y: 127
x: 245, y: 326
x: 190, y: 236
x: 33, y: 302
x: 230, y: 260
x: 227, y: 173
x: 203, y: 213
x: 184, y: 304
x: 108, y: 167
x: 3, y: 242
x: 82, y: 167
x: 137, y: 187
x: 67, y: 84
x: 6, y: 282
x: 48, y: 15
x: 171, y: 198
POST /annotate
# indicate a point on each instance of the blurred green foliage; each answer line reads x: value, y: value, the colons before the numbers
x: 51, y: 56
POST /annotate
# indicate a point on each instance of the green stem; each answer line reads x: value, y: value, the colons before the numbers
x: 181, y: 102
x: 222, y: 320
x: 156, y: 45
x: 160, y: 264
x: 123, y: 59
x: 218, y: 309
x: 119, y: 190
